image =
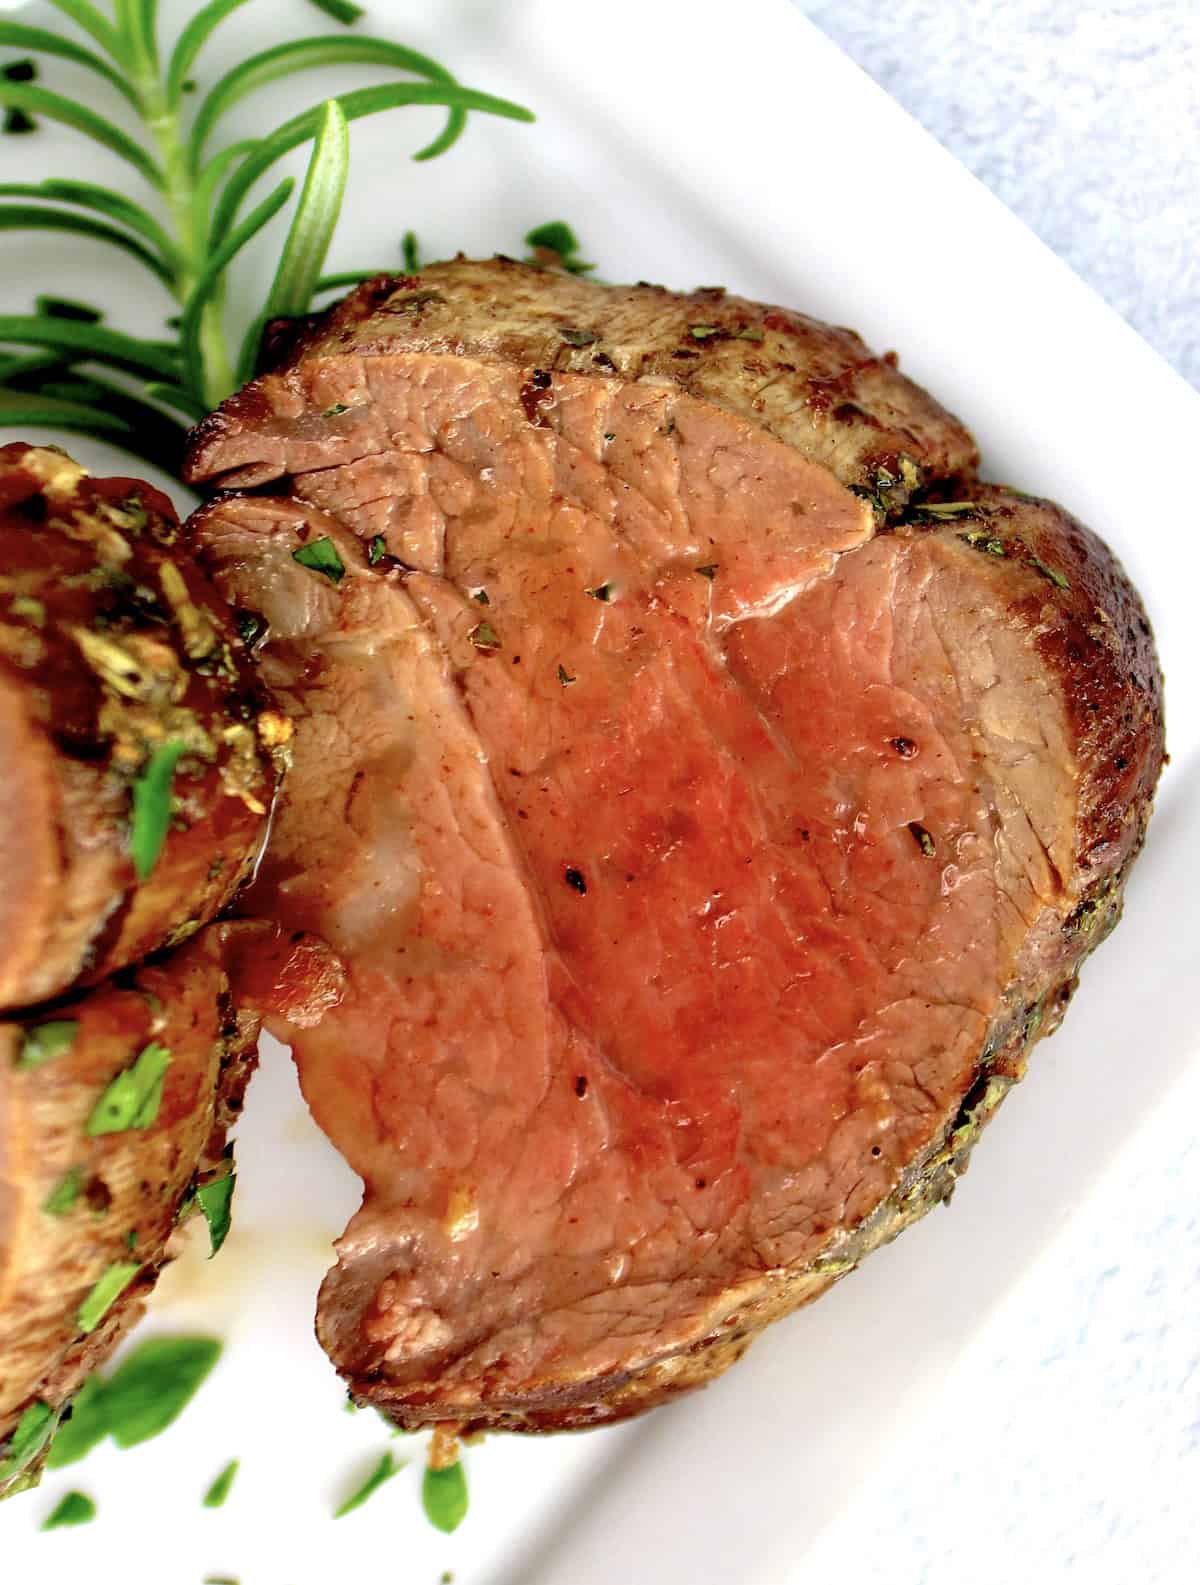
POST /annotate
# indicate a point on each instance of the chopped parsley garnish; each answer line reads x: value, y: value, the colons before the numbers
x: 151, y: 807
x: 27, y: 1441
x: 251, y: 626
x: 134, y: 1096
x: 64, y: 1194
x: 335, y: 411
x: 379, y: 1476
x: 444, y: 1497
x: 108, y: 1289
x: 410, y: 253
x: 704, y: 332
x: 216, y: 1494
x: 922, y: 838
x: 484, y: 636
x: 376, y: 550
x: 578, y: 338
x: 84, y: 1426
x: 147, y: 1392
x: 564, y: 676
x: 321, y: 556
x: 980, y: 539
x: 74, y: 1508
x: 602, y: 592
x: 948, y: 509
x: 556, y: 236
x: 750, y: 333
x: 709, y: 571
x: 215, y: 1200
x: 46, y: 1041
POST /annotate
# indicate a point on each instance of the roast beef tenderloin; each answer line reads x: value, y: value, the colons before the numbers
x: 711, y: 785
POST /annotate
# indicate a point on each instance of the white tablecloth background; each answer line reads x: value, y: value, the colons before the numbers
x: 1083, y: 1391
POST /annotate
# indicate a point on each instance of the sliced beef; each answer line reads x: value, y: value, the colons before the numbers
x: 704, y: 859
x: 92, y: 1186
x: 113, y: 646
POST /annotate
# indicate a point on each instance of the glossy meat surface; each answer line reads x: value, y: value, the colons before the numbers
x: 697, y: 852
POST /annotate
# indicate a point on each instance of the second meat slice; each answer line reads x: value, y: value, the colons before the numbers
x: 704, y: 859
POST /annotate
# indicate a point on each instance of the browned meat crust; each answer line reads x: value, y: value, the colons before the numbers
x: 76, y: 1203
x: 113, y: 644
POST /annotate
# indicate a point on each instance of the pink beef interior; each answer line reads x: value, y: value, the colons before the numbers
x: 682, y: 836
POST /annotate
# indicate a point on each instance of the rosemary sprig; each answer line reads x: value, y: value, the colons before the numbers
x: 77, y: 374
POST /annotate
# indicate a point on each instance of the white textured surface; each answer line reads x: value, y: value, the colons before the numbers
x: 1086, y: 1387
x: 1065, y: 1443
x: 1084, y: 118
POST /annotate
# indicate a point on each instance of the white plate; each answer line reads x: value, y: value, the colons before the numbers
x: 690, y: 144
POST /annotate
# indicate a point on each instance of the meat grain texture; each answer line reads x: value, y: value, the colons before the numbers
x: 712, y: 786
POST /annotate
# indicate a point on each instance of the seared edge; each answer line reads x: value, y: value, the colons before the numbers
x: 132, y: 1184
x: 112, y: 644
x: 816, y: 387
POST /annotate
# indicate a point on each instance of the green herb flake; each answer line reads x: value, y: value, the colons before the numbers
x: 578, y: 338
x: 980, y: 539
x: 410, y: 253
x: 64, y: 1194
x: 72, y: 1509
x: 104, y: 1295
x: 709, y: 571
x: 704, y: 332
x: 154, y: 1384
x: 444, y: 1497
x: 46, y: 1041
x: 321, y: 556
x: 84, y: 1426
x: 379, y: 1476
x: 27, y: 1441
x: 132, y: 1099
x: 922, y: 838
x: 151, y: 806
x: 555, y: 235
x: 564, y: 676
x: 376, y: 550
x: 750, y: 333
x: 217, y: 1493
x: 948, y: 509
x: 335, y: 411
x: 1055, y: 577
x: 484, y: 637
x: 215, y: 1200
x: 33, y: 610
x: 68, y: 308
x: 251, y: 627
x: 602, y: 592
